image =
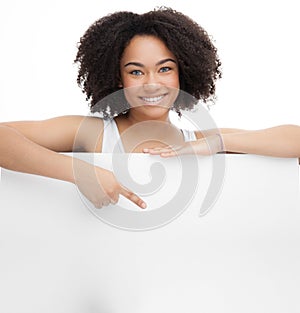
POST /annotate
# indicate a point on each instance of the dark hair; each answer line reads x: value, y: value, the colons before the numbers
x: 101, y: 48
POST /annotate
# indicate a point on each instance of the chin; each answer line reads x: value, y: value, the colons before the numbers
x: 153, y: 112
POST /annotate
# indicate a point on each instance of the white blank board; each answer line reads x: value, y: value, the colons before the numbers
x: 242, y: 256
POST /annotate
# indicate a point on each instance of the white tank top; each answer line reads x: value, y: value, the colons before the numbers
x: 111, y: 141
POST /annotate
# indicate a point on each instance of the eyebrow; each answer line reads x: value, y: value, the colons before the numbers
x: 158, y: 63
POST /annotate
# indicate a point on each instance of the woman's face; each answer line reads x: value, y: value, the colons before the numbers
x: 149, y: 75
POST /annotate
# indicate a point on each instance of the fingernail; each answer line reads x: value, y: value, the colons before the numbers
x: 144, y: 205
x: 146, y: 150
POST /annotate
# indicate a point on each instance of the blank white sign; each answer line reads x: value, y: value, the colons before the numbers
x: 242, y: 256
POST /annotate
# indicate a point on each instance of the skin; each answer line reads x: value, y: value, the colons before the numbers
x: 147, y: 69
x: 279, y: 141
x: 30, y: 147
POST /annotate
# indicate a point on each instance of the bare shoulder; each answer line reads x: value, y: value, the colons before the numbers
x: 85, y: 132
x: 89, y: 135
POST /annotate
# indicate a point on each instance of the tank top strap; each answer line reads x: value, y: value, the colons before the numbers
x: 188, y: 135
x: 111, y: 141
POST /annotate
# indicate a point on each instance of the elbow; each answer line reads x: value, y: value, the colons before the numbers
x: 4, y: 126
x: 5, y: 129
x: 292, y: 128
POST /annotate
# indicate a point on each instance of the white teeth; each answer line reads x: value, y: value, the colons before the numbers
x: 153, y: 99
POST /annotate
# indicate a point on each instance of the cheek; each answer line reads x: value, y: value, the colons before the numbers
x: 128, y: 81
x: 131, y: 83
x: 172, y: 81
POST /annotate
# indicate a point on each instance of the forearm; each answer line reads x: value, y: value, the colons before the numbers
x: 17, y: 153
x: 280, y: 141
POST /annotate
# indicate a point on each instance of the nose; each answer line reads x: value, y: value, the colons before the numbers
x: 151, y: 88
x: 151, y: 83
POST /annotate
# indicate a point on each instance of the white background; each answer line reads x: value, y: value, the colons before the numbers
x: 258, y: 43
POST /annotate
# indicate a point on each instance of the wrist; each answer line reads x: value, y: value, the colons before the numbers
x: 235, y: 142
x: 220, y: 145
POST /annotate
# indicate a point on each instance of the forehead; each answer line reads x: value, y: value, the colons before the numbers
x: 146, y: 49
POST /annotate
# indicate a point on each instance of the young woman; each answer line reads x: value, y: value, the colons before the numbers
x: 142, y: 61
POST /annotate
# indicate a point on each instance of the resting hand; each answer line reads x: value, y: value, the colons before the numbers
x: 205, y: 146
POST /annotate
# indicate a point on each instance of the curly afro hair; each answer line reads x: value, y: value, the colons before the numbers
x: 101, y: 48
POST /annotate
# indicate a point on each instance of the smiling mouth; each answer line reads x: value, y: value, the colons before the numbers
x: 153, y: 100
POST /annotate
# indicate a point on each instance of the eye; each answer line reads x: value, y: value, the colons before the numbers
x: 136, y: 73
x: 165, y: 69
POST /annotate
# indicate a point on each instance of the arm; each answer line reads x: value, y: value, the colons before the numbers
x: 30, y: 147
x: 18, y: 153
x: 280, y: 141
